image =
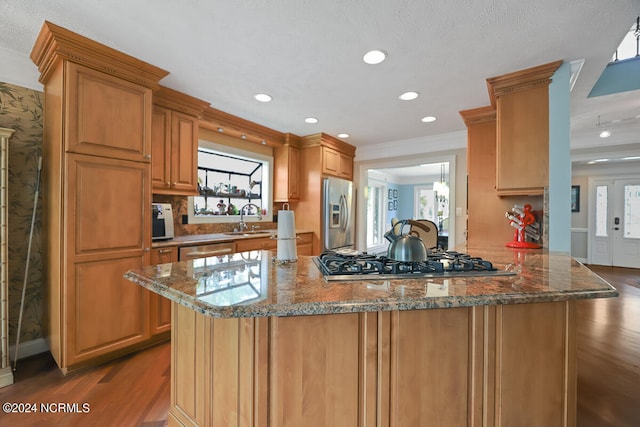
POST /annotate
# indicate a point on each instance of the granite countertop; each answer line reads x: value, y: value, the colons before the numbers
x: 205, y: 239
x: 250, y: 284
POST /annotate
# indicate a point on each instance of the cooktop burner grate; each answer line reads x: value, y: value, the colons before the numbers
x: 352, y: 265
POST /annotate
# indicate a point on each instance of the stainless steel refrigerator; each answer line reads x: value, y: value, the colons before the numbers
x: 337, y: 214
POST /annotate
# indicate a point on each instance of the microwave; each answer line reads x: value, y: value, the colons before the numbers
x: 162, y: 221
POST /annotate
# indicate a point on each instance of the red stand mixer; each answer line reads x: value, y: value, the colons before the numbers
x: 524, y: 222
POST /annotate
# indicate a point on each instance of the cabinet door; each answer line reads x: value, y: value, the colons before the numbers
x: 161, y: 148
x: 184, y: 154
x: 522, y: 156
x: 330, y: 162
x: 108, y: 225
x: 305, y: 244
x: 160, y: 307
x: 107, y: 116
x: 336, y: 163
x: 104, y: 311
x: 346, y: 166
x: 286, y: 174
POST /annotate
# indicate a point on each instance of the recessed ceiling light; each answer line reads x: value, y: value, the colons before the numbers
x: 408, y: 96
x: 374, y: 57
x: 428, y: 119
x: 262, y: 97
x: 343, y: 135
x: 311, y: 120
x: 605, y: 134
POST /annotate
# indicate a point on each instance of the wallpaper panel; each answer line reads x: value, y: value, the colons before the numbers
x: 21, y: 109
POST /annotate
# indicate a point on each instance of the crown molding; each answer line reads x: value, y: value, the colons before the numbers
x: 521, y: 80
x: 178, y: 101
x: 219, y: 121
x: 478, y: 115
x: 55, y: 43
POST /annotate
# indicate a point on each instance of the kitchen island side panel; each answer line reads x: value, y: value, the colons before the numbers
x: 474, y: 366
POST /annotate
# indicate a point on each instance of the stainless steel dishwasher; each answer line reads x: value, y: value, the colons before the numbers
x: 215, y: 249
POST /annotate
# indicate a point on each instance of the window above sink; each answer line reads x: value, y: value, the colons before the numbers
x: 228, y: 180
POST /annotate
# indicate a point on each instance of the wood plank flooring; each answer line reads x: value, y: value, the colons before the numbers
x: 134, y: 391
x: 609, y: 353
x: 131, y: 391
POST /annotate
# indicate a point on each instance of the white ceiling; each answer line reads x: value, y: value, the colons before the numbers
x: 307, y: 55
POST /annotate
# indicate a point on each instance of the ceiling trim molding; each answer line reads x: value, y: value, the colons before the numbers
x: 55, y: 43
x: 415, y: 146
x: 521, y: 80
x: 178, y: 101
x: 478, y: 115
x: 219, y: 121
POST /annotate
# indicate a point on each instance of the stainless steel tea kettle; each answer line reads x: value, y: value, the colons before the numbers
x: 405, y: 247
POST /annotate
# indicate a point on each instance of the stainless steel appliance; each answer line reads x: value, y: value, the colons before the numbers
x: 337, y: 214
x: 186, y: 253
x: 354, y: 265
x: 161, y: 221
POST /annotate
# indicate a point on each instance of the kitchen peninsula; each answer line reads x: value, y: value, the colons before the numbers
x: 255, y: 343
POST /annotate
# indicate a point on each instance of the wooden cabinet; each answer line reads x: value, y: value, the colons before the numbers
x: 174, y: 139
x: 106, y: 115
x: 321, y: 155
x: 521, y: 100
x: 97, y: 195
x: 485, y: 209
x: 336, y: 163
x: 287, y: 170
x: 483, y: 365
x: 159, y: 306
x: 303, y: 244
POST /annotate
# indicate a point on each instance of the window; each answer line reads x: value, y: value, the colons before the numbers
x: 229, y: 180
x: 376, y: 204
x: 602, y: 210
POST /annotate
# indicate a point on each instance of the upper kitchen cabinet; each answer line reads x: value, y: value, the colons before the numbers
x: 335, y: 156
x: 287, y: 170
x: 174, y: 142
x: 96, y: 101
x: 521, y: 100
x: 97, y: 195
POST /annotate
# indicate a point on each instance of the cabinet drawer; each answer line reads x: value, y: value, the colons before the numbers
x: 191, y: 252
x: 261, y: 243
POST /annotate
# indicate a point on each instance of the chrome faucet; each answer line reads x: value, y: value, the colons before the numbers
x: 242, y: 226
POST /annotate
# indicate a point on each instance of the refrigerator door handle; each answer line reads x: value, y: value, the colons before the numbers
x: 344, y: 212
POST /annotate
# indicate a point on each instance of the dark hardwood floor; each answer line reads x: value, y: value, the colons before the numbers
x: 608, y: 337
x: 134, y: 390
x: 131, y: 391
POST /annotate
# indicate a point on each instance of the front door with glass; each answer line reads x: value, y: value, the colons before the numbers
x: 615, y: 234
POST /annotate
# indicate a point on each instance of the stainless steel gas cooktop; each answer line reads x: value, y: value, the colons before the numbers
x: 352, y: 265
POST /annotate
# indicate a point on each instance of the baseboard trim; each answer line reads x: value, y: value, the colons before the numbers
x: 581, y: 260
x: 6, y: 376
x: 29, y: 348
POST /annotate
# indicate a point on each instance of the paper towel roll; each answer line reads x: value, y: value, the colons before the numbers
x: 286, y: 225
x: 286, y: 249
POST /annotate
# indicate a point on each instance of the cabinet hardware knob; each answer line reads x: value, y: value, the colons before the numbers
x: 147, y: 156
x: 165, y: 251
x: 147, y: 249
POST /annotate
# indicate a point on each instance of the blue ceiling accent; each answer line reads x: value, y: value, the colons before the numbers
x: 618, y: 76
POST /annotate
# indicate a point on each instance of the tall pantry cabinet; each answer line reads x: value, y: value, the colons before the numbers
x: 97, y: 195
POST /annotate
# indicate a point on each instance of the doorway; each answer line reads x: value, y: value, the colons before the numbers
x: 614, y: 222
x: 407, y: 191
